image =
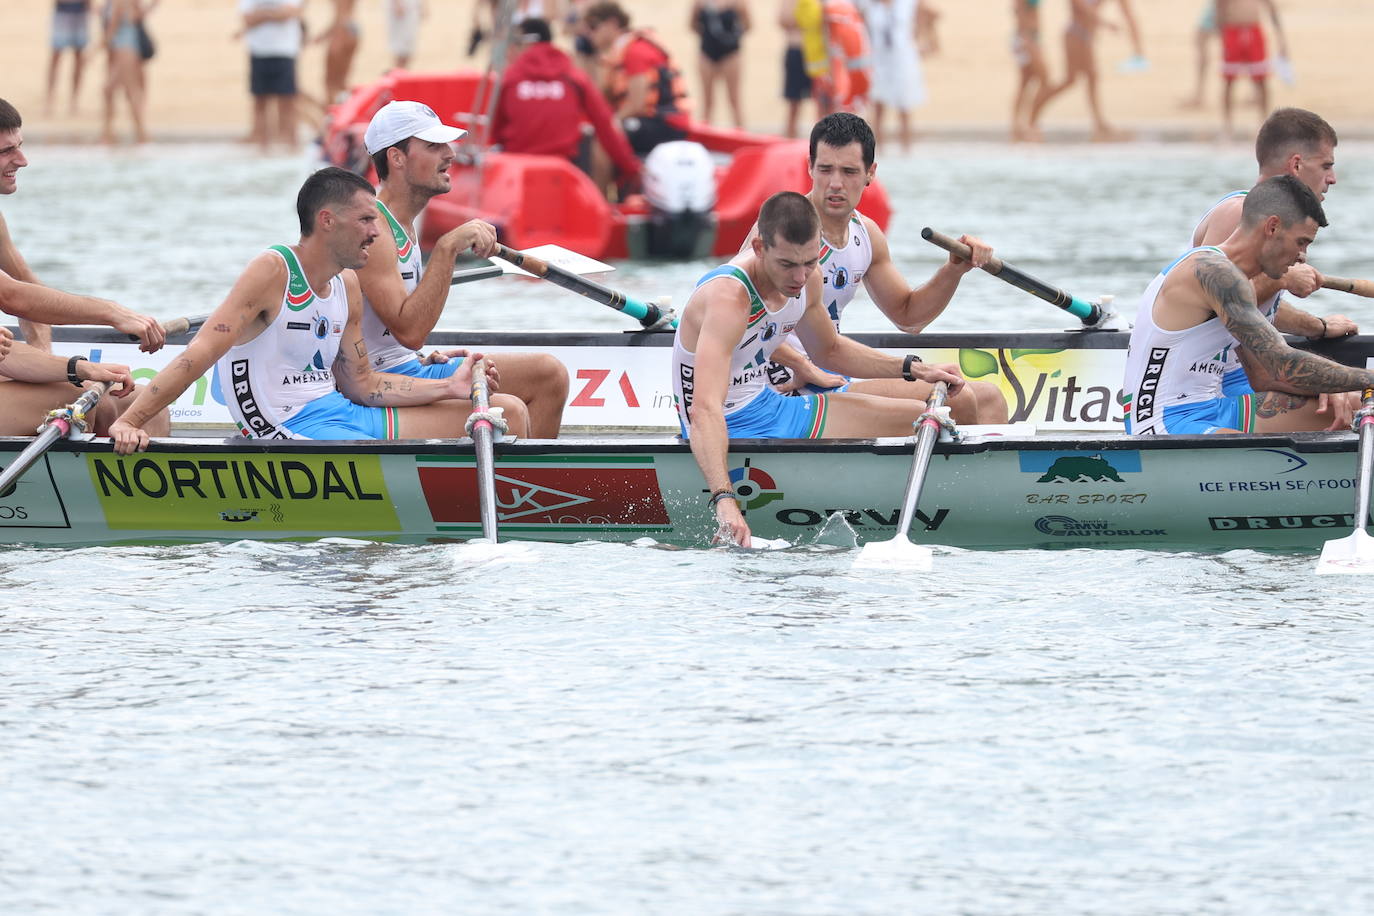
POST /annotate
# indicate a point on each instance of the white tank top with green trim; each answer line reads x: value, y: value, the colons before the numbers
x: 266, y: 380
x: 749, y: 362
x: 383, y: 350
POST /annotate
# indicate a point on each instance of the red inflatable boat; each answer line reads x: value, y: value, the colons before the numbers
x: 539, y: 200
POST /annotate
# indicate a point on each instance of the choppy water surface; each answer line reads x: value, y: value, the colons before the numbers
x: 346, y: 727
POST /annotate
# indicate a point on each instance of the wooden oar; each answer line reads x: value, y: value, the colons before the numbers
x: 1354, y: 553
x: 1358, y: 287
x: 900, y: 551
x: 1090, y: 313
x: 177, y: 326
x: 647, y: 314
x: 483, y: 433
x: 58, y: 425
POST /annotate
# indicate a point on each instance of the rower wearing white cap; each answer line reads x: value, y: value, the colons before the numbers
x: 402, y: 301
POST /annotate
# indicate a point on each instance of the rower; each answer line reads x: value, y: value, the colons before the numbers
x: 1204, y: 302
x: 854, y: 249
x: 288, y: 340
x: 32, y: 382
x: 738, y: 314
x: 1292, y: 141
x: 402, y: 301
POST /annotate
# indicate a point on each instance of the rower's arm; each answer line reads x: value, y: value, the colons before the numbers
x: 724, y: 311
x: 1269, y: 362
x: 242, y: 315
x: 25, y: 363
x: 913, y: 309
x: 804, y: 371
x: 832, y: 349
x: 361, y: 384
x: 37, y: 334
x: 1292, y: 320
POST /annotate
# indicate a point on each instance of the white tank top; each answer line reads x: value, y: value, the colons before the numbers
x: 383, y: 350
x: 1170, y: 368
x: 749, y: 362
x: 842, y: 272
x: 266, y: 380
x: 1232, y: 370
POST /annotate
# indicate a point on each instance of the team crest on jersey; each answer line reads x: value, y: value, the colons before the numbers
x: 321, y: 327
x: 298, y: 292
x: 840, y: 279
x: 770, y: 331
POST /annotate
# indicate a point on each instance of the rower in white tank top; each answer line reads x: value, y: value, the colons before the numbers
x: 383, y: 350
x: 268, y: 380
x: 1234, y: 381
x: 1173, y: 379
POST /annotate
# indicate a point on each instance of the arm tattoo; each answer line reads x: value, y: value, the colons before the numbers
x: 222, y: 328
x: 1234, y: 296
x: 183, y: 363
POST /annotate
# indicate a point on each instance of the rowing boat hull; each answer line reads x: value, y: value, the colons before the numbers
x: 987, y: 492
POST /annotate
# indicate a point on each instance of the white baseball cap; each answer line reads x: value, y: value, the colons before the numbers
x: 397, y: 121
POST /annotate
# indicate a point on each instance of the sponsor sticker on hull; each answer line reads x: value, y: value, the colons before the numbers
x: 565, y: 493
x: 226, y: 492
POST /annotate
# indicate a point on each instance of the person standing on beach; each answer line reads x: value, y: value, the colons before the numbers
x: 796, y: 82
x: 1297, y: 142
x: 1033, y: 76
x: 403, y: 299
x: 1243, y: 52
x: 340, y: 44
x: 1080, y: 60
x: 403, y: 28
x: 1202, y: 41
x: 901, y: 86
x: 853, y: 251
x: 272, y: 30
x: 70, y: 32
x: 124, y: 57
x: 736, y: 316
x: 720, y: 26
x: 1173, y: 384
x: 288, y: 347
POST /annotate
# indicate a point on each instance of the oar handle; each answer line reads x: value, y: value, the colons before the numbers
x: 53, y: 428
x: 646, y: 313
x: 1090, y: 313
x: 487, y: 272
x: 175, y: 326
x: 1357, y: 287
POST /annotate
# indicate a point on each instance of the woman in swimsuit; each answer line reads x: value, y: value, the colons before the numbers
x: 1030, y: 62
x: 124, y: 66
x: 341, y: 43
x: 1080, y: 60
x: 720, y: 24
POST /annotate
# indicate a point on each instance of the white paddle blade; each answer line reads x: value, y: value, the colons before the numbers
x: 557, y: 256
x: 1352, y: 554
x: 898, y: 553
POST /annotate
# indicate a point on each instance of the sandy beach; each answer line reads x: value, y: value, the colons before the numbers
x: 198, y: 79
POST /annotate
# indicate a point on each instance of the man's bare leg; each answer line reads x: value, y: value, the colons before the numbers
x: 26, y: 405
x: 978, y: 402
x: 445, y: 419
x: 863, y: 416
x: 541, y: 381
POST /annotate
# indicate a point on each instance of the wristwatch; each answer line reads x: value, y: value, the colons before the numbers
x: 906, y: 366
x: 71, y: 370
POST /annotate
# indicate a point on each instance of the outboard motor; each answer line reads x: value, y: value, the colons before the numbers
x: 680, y: 187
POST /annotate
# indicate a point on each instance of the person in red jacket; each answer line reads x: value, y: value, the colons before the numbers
x: 545, y: 100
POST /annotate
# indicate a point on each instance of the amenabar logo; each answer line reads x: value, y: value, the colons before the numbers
x: 225, y: 491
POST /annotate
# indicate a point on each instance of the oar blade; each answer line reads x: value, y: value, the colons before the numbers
x: 898, y: 554
x: 1351, y: 554
x: 557, y: 256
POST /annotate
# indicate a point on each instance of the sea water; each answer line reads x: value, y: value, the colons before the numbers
x: 341, y: 726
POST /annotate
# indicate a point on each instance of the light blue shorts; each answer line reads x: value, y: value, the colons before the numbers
x: 416, y: 369
x: 1235, y: 383
x: 69, y: 30
x: 336, y: 417
x: 775, y: 416
x: 1208, y: 416
x: 819, y: 389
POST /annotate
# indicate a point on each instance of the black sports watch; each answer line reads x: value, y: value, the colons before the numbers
x: 906, y: 366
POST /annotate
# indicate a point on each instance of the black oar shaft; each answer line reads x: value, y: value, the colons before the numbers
x: 1088, y: 312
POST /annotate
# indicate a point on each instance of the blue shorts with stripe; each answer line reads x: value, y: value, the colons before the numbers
x: 775, y: 416
x: 809, y: 388
x: 416, y: 369
x: 1199, y: 417
x: 336, y: 417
